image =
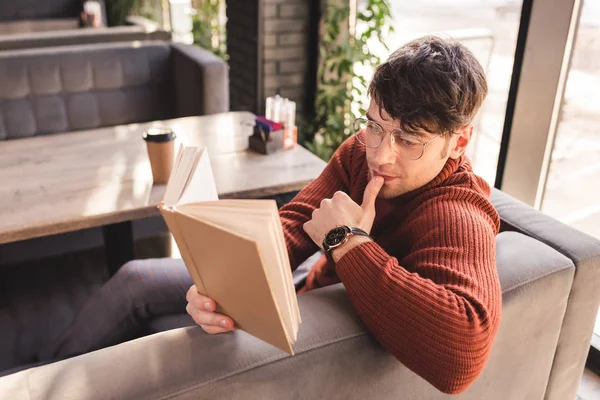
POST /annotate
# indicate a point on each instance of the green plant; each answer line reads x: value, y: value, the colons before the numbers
x: 342, y: 84
x: 208, y: 29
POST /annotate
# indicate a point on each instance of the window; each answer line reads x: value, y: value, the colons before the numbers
x: 489, y: 30
x: 572, y: 191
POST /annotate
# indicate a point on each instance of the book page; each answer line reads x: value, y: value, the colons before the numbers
x: 201, y: 185
x: 177, y: 159
x: 179, y: 175
x: 192, y: 179
x: 285, y: 262
x: 256, y: 224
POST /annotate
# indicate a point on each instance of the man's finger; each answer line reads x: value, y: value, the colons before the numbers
x: 199, y: 301
x: 371, y: 192
x: 213, y: 330
x: 209, y: 318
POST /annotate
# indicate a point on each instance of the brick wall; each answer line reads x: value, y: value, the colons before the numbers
x: 286, y: 27
x: 243, y: 47
x: 278, y: 38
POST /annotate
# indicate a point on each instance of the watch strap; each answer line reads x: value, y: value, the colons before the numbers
x: 358, y: 231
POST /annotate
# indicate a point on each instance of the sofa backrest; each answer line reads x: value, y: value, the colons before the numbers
x: 62, y: 89
x: 72, y: 37
x: 12, y: 10
x: 31, y: 26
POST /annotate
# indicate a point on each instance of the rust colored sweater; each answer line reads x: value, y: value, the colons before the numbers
x: 427, y: 287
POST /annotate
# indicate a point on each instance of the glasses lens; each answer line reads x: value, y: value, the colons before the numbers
x: 368, y: 132
x: 408, y: 145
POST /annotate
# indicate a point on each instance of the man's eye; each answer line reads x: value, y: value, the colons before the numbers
x: 374, y: 128
x: 406, y: 141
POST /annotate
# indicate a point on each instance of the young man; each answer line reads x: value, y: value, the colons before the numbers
x: 417, y: 254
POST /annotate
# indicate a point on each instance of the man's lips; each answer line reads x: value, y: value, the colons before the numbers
x: 386, y: 178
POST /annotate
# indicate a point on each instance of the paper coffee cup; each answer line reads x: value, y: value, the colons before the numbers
x: 161, y: 147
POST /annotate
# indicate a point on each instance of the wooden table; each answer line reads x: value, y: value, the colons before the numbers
x: 65, y: 182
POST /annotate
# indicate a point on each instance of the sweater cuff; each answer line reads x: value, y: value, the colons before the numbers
x: 360, y: 260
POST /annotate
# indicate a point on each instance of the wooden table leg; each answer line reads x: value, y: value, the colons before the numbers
x: 118, y: 245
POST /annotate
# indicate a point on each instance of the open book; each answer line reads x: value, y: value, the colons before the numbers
x: 234, y: 251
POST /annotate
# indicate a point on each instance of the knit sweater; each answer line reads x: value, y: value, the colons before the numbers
x: 427, y: 286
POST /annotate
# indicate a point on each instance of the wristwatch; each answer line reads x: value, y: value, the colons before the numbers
x: 338, y: 236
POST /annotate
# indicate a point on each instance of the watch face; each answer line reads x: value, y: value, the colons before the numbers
x: 336, y: 236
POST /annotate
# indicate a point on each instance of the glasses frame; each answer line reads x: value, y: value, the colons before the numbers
x: 392, y: 140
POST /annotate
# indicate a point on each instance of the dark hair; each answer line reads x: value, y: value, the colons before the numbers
x: 431, y: 83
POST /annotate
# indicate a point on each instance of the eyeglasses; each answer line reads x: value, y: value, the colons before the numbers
x: 403, y: 143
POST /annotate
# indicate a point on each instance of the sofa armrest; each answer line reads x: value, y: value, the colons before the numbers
x: 335, y: 359
x: 518, y: 216
x: 582, y: 307
x: 201, y: 81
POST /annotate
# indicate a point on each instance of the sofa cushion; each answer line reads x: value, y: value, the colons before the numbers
x: 83, y: 87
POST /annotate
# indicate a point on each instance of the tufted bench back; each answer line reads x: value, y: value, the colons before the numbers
x: 83, y: 87
x: 11, y: 10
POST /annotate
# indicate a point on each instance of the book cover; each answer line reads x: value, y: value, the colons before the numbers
x: 234, y: 251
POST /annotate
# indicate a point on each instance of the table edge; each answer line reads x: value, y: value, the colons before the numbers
x: 32, y: 232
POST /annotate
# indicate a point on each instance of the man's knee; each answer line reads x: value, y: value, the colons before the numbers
x: 128, y: 280
x: 154, y: 276
x: 128, y: 271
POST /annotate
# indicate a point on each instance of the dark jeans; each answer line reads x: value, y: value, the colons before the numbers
x: 143, y: 297
x: 122, y: 308
x: 129, y: 304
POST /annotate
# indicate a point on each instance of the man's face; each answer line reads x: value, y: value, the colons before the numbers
x: 402, y: 174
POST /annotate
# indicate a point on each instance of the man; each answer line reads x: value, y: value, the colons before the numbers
x: 418, y: 256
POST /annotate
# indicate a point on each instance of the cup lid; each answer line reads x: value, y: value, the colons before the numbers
x: 159, y: 134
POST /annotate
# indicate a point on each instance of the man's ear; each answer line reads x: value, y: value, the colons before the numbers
x: 460, y: 141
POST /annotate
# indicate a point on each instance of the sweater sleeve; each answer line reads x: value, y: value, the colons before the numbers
x: 335, y: 176
x: 438, y: 309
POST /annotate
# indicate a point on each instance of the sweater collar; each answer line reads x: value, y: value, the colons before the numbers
x: 451, y: 166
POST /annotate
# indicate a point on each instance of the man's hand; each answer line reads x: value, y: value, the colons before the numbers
x: 342, y: 210
x: 202, y: 310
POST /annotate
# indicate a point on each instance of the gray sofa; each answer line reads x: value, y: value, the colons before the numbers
x: 549, y: 274
x: 70, y: 88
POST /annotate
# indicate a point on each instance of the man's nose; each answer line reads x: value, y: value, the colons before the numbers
x: 385, y: 154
